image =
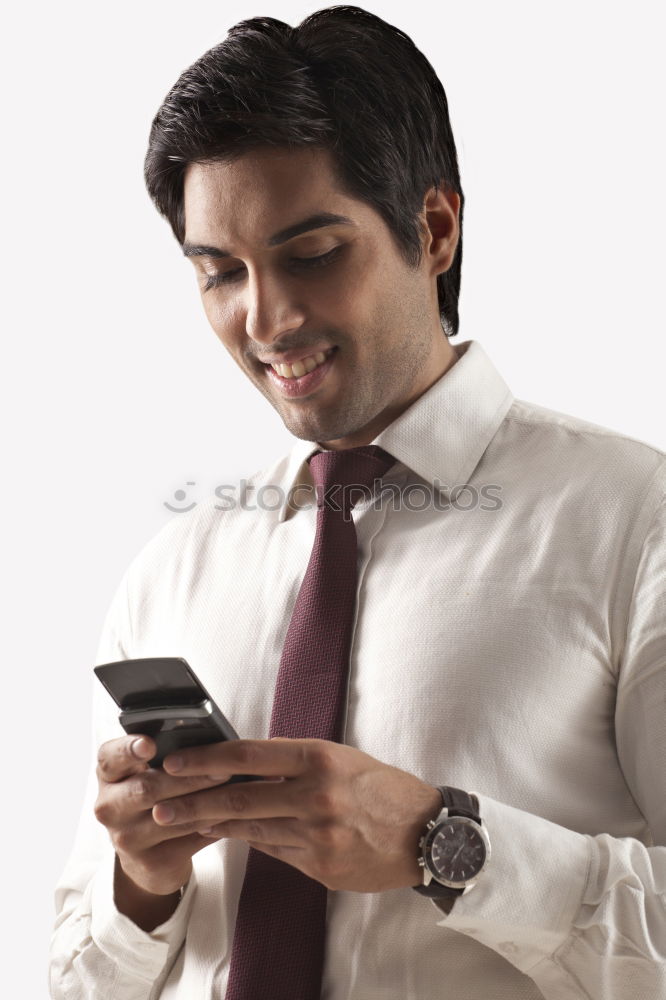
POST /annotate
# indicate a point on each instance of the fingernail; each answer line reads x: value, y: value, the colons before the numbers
x: 205, y: 832
x: 165, y: 814
x: 173, y: 763
x: 141, y: 748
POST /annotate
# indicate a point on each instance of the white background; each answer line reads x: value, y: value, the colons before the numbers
x: 115, y: 392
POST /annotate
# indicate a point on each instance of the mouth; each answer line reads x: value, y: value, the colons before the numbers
x: 302, y: 376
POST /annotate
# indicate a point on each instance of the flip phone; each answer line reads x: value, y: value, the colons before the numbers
x: 162, y: 697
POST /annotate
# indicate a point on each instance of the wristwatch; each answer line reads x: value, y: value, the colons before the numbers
x: 455, y: 848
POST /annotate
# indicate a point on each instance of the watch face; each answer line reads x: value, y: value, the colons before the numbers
x: 456, y: 850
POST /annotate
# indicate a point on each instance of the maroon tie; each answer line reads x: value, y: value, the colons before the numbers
x: 278, y: 947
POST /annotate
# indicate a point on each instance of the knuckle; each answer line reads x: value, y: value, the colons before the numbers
x: 238, y: 801
x: 321, y: 757
x: 102, y: 811
x: 140, y: 789
x: 123, y: 840
x: 256, y: 831
x: 109, y: 756
x: 247, y: 755
x: 103, y: 761
x: 326, y: 836
x: 325, y: 802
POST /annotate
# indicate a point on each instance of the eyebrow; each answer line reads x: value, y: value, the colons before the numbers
x: 317, y: 221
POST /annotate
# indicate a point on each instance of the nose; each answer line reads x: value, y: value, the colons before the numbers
x: 272, y: 307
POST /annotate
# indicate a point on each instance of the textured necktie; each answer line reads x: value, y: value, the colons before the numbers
x: 278, y: 947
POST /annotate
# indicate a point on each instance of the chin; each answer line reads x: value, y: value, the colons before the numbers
x: 312, y: 430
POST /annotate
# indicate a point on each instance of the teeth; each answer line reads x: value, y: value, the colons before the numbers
x: 300, y: 367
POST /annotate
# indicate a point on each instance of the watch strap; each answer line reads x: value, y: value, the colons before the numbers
x: 438, y: 891
x: 459, y: 802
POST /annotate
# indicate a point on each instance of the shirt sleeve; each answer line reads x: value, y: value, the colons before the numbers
x: 97, y: 952
x: 585, y: 916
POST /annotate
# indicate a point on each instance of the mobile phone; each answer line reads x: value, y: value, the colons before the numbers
x: 163, y: 698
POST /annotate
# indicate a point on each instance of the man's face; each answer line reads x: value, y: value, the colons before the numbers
x: 340, y: 290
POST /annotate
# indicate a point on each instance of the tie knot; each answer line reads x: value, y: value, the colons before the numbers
x: 343, y: 478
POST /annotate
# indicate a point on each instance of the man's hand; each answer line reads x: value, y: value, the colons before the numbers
x: 340, y: 816
x: 157, y: 860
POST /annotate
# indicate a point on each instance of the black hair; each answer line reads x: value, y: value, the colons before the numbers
x: 344, y: 80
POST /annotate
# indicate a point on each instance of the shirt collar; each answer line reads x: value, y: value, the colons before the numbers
x: 442, y: 435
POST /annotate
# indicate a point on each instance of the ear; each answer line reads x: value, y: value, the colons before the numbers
x: 440, y: 214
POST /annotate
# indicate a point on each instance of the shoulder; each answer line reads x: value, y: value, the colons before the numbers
x: 595, y: 485
x: 216, y: 526
x: 573, y: 447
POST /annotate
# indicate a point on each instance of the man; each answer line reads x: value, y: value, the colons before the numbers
x: 505, y: 673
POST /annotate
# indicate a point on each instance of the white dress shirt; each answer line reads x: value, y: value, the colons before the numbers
x: 513, y: 645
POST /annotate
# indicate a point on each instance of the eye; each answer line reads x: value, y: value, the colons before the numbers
x: 227, y: 277
x: 323, y: 258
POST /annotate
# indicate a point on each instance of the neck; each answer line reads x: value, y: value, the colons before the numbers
x: 441, y: 360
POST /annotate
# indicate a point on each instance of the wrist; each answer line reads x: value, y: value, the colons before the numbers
x: 146, y: 909
x: 429, y: 805
x: 454, y: 849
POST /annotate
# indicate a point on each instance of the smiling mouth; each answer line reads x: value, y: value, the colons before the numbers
x: 294, y: 386
x: 303, y: 366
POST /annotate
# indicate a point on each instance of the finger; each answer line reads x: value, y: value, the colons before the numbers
x: 250, y: 800
x: 121, y: 802
x: 277, y: 757
x: 155, y: 786
x: 144, y: 835
x: 275, y: 832
x: 121, y: 757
